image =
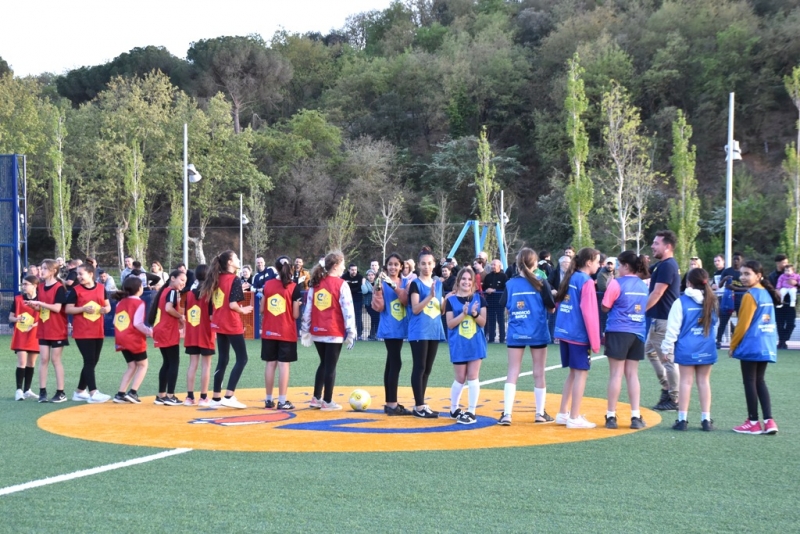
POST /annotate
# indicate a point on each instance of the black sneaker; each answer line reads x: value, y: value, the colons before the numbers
x: 467, y: 418
x: 505, y: 420
x: 269, y: 404
x: 43, y: 397
x: 457, y: 414
x: 59, y: 397
x: 638, y: 423
x: 285, y: 405
x: 425, y: 413
x: 611, y: 422
x: 680, y: 425
x: 120, y: 399
x: 172, y: 400
x: 543, y: 418
x: 664, y: 396
x: 665, y: 406
x: 397, y: 410
x: 132, y: 398
x: 782, y: 345
x: 707, y: 425
x: 159, y: 400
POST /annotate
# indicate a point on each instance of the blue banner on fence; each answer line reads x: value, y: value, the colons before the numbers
x: 9, y: 233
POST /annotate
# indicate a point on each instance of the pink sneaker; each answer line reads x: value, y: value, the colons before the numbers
x: 315, y: 403
x: 188, y: 402
x: 749, y: 428
x: 204, y: 403
x: 770, y: 427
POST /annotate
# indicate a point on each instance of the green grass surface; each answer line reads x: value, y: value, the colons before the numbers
x: 657, y: 480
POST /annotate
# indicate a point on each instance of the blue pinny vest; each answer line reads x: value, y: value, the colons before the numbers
x: 467, y: 342
x: 427, y: 325
x: 527, y: 316
x: 569, y: 319
x: 760, y: 341
x: 628, y: 312
x: 394, y: 320
x: 692, y: 347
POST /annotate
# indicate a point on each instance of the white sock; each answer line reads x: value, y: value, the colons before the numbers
x: 282, y: 398
x: 474, y: 391
x: 541, y: 395
x: 611, y: 414
x: 455, y: 395
x: 681, y: 416
x: 705, y: 416
x: 508, y: 397
x: 635, y: 413
x: 269, y: 397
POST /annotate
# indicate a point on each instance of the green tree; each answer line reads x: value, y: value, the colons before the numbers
x: 684, y: 211
x: 792, y: 167
x: 61, y: 226
x: 486, y: 187
x: 341, y: 229
x: 580, y: 191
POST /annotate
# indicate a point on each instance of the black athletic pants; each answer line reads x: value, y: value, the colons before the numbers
x: 326, y: 372
x: 391, y: 373
x: 423, y: 354
x: 755, y: 389
x: 224, y: 344
x: 90, y: 350
x: 168, y: 374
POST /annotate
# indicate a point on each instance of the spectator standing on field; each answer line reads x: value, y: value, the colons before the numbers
x: 355, y: 281
x: 494, y: 284
x: 785, y: 315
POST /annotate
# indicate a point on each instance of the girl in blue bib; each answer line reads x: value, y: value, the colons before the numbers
x: 691, y: 337
x: 755, y: 344
x: 528, y: 300
x: 390, y: 299
x: 466, y: 316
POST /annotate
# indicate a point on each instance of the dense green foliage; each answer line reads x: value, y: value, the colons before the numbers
x: 402, y: 94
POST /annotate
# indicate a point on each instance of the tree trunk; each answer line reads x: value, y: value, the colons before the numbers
x: 120, y: 232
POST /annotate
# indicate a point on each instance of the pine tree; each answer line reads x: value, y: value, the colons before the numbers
x: 580, y: 191
x: 684, y: 211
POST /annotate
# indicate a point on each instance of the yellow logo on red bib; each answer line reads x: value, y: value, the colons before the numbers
x: 92, y: 316
x: 322, y: 300
x: 44, y: 314
x: 158, y: 316
x: 25, y: 322
x: 193, y: 315
x: 218, y: 299
x: 276, y: 305
x: 122, y: 321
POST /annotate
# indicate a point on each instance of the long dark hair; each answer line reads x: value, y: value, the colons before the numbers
x: 757, y: 268
x: 636, y: 264
x: 130, y: 286
x: 579, y: 261
x: 527, y: 260
x: 284, y: 267
x: 698, y: 277
x: 151, y: 316
x: 396, y: 256
x: 321, y: 271
x: 219, y: 265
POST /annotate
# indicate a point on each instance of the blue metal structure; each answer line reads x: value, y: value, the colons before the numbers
x: 480, y: 230
x: 12, y: 231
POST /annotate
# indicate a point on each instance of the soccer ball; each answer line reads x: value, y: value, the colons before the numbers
x: 360, y: 400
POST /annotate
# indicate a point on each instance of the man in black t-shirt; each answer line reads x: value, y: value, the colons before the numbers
x: 665, y: 287
x: 355, y: 281
x: 494, y: 285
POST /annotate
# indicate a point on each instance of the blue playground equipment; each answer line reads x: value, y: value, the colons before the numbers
x: 480, y: 230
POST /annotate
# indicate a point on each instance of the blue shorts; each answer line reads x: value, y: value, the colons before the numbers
x: 575, y: 356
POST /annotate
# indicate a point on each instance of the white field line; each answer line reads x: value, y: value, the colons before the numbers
x: 165, y: 454
x: 89, y: 472
x: 528, y: 373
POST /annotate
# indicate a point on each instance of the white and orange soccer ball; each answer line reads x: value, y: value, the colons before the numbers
x: 360, y: 400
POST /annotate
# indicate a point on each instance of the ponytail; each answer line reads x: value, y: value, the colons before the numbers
x: 698, y: 277
x: 527, y: 260
x: 584, y: 256
x: 219, y: 265
x: 151, y: 316
x: 756, y: 267
x: 324, y: 266
x: 284, y: 267
x: 637, y: 265
x: 130, y: 286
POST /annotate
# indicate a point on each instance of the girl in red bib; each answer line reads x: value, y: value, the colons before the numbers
x: 328, y: 321
x: 87, y: 303
x: 280, y: 309
x: 167, y: 319
x: 199, y: 341
x: 130, y: 338
x: 223, y: 290
x: 23, y: 341
x: 52, y: 332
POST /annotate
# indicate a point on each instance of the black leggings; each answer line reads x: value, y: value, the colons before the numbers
x: 423, y: 353
x: 391, y: 373
x: 168, y: 374
x: 326, y: 372
x: 755, y: 389
x: 224, y: 344
x: 90, y: 350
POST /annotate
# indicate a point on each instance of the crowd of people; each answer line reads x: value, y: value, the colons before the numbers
x: 647, y: 309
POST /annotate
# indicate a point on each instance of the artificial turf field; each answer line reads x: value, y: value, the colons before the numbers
x: 656, y: 480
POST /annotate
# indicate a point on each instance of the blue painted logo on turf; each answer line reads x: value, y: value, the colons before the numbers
x: 344, y: 425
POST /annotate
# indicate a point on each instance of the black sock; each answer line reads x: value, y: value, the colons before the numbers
x: 204, y: 396
x: 20, y: 376
x: 133, y: 391
x: 121, y: 393
x: 190, y: 395
x: 60, y: 392
x: 28, y: 378
x: 228, y: 396
x: 42, y: 391
x: 216, y: 399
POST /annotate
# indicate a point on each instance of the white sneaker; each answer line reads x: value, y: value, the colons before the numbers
x: 562, y: 418
x: 204, y: 403
x: 80, y: 396
x: 315, y: 403
x: 232, y: 403
x: 580, y: 422
x: 19, y: 395
x: 188, y: 402
x: 98, y: 398
x: 214, y: 404
x: 330, y: 406
x: 31, y: 395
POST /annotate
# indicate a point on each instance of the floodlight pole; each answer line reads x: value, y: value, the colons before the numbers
x: 729, y: 188
x: 186, y: 195
x: 241, y: 228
